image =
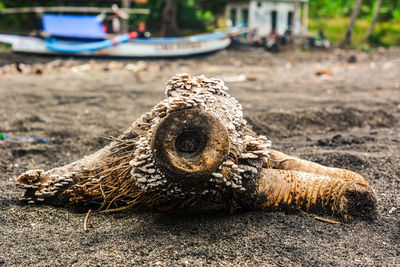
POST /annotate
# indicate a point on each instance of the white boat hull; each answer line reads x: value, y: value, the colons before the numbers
x: 136, y: 48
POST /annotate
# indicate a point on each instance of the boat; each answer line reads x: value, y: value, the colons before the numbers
x: 82, y: 36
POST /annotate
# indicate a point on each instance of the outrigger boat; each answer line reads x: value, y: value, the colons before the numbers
x: 83, y: 36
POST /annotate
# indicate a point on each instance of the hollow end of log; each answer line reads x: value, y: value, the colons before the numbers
x: 188, y: 146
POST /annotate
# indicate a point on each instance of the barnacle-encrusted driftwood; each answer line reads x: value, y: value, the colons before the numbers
x: 195, y: 145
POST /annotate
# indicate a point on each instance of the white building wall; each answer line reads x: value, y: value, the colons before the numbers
x: 260, y: 17
x: 239, y: 7
x: 258, y: 20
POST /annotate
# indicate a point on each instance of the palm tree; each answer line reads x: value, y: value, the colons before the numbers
x: 349, y: 33
x: 374, y: 19
x: 169, y: 25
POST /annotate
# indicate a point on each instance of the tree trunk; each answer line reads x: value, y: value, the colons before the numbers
x: 169, y: 26
x: 126, y: 4
x: 349, y: 33
x: 374, y: 19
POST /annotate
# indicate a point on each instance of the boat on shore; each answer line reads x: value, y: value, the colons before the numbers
x: 83, y: 36
x: 139, y: 47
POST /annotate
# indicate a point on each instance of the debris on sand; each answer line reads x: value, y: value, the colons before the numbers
x: 323, y: 71
x: 38, y: 69
x: 352, y: 59
x: 393, y: 209
x: 326, y: 220
x: 239, y: 78
x: 76, y: 66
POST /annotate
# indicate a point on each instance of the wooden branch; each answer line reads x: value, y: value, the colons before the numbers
x: 144, y: 11
x: 326, y: 220
x: 86, y: 220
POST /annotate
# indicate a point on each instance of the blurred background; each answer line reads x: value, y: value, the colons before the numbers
x: 375, y: 22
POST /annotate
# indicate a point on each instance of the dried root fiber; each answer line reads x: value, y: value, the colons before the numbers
x: 195, y: 145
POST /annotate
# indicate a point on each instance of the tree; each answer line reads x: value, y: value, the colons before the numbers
x: 349, y: 33
x: 216, y: 7
x: 169, y: 26
x: 124, y: 25
x: 374, y: 19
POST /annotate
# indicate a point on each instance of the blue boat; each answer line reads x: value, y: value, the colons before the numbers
x: 84, y: 36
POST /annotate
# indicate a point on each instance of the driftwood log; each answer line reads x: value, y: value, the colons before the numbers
x: 195, y: 145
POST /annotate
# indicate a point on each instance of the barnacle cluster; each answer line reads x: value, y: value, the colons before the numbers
x: 208, y: 95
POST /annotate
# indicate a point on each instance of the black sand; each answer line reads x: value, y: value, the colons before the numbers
x: 349, y: 120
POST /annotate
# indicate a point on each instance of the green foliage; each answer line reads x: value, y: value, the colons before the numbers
x: 333, y: 18
x: 338, y: 8
x: 191, y: 17
x: 216, y: 7
x: 396, y: 14
x: 386, y: 33
x: 154, y: 18
x: 376, y: 38
x: 4, y: 47
x: 326, y: 8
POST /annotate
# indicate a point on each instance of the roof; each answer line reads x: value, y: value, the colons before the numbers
x: 73, y: 26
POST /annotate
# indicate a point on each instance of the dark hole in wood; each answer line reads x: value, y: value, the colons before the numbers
x: 190, y: 143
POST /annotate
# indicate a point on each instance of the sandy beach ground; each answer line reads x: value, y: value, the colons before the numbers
x: 347, y: 117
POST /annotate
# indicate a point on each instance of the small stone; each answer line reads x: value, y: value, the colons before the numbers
x: 393, y: 209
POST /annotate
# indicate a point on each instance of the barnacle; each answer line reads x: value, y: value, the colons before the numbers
x: 195, y: 145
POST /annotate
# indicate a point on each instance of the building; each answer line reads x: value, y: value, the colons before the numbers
x: 265, y: 15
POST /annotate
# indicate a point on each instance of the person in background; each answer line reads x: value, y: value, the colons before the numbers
x: 116, y: 24
x: 287, y: 37
x: 142, y: 30
x: 272, y: 42
x: 321, y: 40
